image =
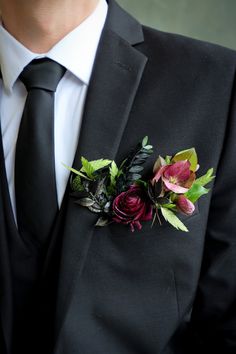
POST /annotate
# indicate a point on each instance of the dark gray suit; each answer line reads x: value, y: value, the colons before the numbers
x: 107, y: 290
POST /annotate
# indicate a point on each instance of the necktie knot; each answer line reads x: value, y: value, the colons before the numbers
x: 42, y: 74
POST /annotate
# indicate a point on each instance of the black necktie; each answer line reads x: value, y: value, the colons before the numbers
x: 35, y: 184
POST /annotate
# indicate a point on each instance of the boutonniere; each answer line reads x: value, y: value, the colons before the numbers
x: 119, y: 194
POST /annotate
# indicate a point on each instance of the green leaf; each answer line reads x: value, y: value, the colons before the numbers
x: 205, y: 179
x: 195, y: 192
x: 170, y: 217
x: 114, y: 171
x: 76, y: 172
x: 169, y: 206
x: 168, y: 159
x: 76, y: 184
x: 99, y: 164
x: 122, y: 164
x: 87, y: 167
x: 190, y: 155
x: 145, y: 141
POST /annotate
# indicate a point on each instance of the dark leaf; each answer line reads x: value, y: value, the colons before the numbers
x: 102, y: 222
x: 79, y: 195
x: 135, y: 169
x: 157, y: 188
x: 86, y: 202
x: 148, y: 147
x: 154, y: 191
x: 100, y: 187
x: 132, y: 165
x: 162, y: 200
x: 134, y: 176
x: 95, y: 208
x: 87, y: 185
x: 138, y: 162
x: 143, y: 155
x: 107, y: 207
x: 145, y: 141
x: 151, y: 192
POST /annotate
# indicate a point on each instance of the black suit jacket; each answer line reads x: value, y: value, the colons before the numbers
x: 157, y: 290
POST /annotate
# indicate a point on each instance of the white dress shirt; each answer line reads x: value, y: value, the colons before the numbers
x: 76, y: 52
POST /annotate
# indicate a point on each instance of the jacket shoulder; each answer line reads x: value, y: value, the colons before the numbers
x: 184, y: 50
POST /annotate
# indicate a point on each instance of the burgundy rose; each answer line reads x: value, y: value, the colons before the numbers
x: 132, y: 207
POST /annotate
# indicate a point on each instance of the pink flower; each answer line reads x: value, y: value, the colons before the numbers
x: 185, y: 205
x: 176, y: 177
x: 132, y: 207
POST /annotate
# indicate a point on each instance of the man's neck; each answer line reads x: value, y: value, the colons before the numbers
x: 40, y: 24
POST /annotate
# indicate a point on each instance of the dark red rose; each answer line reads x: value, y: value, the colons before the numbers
x: 132, y: 207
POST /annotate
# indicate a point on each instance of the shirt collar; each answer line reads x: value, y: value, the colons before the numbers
x: 76, y: 51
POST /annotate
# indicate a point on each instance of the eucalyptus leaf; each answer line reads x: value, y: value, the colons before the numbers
x: 138, y: 162
x: 106, y: 207
x: 142, y: 155
x: 134, y: 176
x: 85, y: 202
x: 131, y: 166
x: 145, y: 141
x: 195, y: 192
x: 136, y: 169
x: 148, y: 147
x: 95, y: 208
x: 170, y: 217
x: 102, y: 222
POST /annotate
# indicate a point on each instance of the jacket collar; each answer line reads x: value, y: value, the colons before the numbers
x: 123, y: 24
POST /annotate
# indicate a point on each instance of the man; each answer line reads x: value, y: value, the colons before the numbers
x: 66, y: 285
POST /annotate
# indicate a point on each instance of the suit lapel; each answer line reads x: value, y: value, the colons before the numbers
x: 116, y: 76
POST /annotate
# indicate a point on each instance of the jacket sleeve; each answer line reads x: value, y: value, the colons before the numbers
x: 214, y: 311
